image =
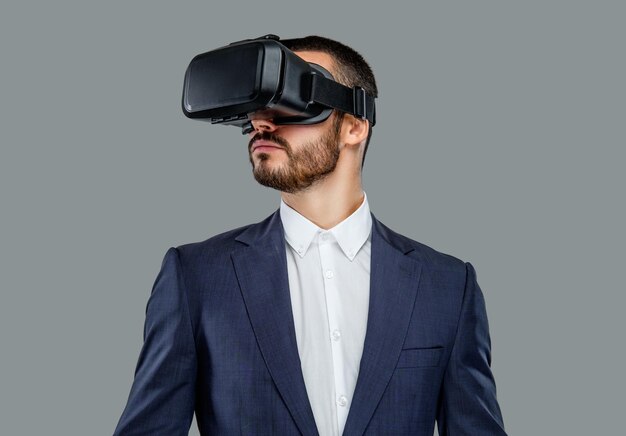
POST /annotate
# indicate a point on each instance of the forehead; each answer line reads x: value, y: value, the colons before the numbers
x: 319, y: 58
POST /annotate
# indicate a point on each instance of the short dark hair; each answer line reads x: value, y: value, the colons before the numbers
x: 351, y: 69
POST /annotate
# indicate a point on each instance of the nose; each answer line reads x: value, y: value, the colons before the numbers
x: 263, y: 126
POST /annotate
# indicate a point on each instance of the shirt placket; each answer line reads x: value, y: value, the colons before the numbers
x: 328, y: 256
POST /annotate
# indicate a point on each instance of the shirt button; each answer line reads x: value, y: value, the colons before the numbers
x: 329, y: 274
x: 336, y: 334
x: 325, y: 236
x: 342, y: 400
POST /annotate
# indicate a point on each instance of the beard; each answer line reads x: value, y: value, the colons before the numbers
x: 312, y: 162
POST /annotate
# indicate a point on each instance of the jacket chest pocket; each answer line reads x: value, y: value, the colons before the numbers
x: 419, y: 357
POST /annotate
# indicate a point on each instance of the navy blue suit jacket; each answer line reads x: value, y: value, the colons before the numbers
x: 219, y: 339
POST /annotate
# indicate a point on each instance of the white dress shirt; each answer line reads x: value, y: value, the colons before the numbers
x: 329, y: 281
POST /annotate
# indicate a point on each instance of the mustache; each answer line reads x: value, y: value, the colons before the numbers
x: 269, y: 136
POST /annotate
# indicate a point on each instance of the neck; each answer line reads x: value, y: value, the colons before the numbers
x: 329, y: 201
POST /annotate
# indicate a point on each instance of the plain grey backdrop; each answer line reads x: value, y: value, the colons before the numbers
x: 500, y: 140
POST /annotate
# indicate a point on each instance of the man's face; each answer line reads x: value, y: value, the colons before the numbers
x: 296, y: 155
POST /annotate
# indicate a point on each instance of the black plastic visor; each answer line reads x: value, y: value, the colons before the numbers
x: 261, y: 78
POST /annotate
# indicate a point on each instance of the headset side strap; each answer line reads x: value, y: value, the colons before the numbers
x: 352, y: 100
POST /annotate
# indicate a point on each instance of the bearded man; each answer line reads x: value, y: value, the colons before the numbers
x: 319, y: 319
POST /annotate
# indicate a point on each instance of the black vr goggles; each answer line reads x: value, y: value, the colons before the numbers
x: 262, y: 77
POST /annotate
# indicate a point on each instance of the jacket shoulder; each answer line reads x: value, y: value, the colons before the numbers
x: 212, y: 247
x: 428, y: 255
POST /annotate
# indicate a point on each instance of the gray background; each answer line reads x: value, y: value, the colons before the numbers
x: 499, y: 140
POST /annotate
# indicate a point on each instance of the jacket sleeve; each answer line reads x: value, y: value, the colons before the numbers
x: 468, y: 403
x: 162, y: 396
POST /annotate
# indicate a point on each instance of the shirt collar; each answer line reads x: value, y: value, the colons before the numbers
x: 351, y: 233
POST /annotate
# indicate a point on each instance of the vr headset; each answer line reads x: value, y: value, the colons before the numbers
x: 262, y: 79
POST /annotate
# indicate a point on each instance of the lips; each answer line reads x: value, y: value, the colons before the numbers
x: 262, y: 143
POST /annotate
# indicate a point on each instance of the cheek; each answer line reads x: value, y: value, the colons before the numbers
x: 296, y: 135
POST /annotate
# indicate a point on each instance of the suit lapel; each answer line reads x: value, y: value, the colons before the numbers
x: 261, y: 270
x: 394, y: 279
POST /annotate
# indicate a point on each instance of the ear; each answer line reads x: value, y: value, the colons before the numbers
x: 353, y: 130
